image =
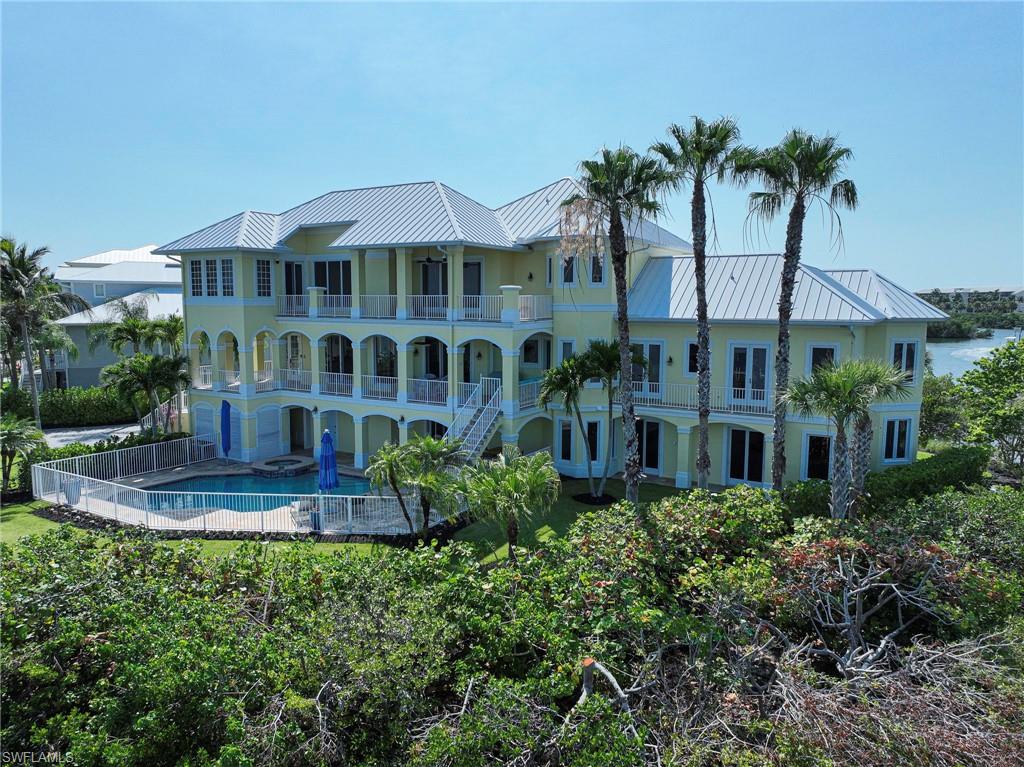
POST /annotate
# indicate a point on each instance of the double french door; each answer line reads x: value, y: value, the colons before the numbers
x: 746, y: 456
x: 648, y: 435
x: 749, y: 374
x: 647, y: 376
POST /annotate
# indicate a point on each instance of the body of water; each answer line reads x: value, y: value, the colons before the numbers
x: 957, y: 357
x: 303, y: 484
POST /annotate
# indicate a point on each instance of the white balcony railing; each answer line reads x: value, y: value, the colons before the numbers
x: 293, y: 305
x: 380, y: 387
x: 464, y: 391
x: 481, y: 308
x: 294, y: 379
x: 534, y: 308
x: 336, y: 384
x: 378, y: 307
x: 428, y: 307
x: 335, y: 306
x: 203, y: 378
x: 428, y: 392
x: 232, y: 380
x: 265, y: 377
x: 724, y: 399
x: 529, y: 391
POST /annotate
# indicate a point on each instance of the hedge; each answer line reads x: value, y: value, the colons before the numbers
x: 77, y: 406
x: 957, y: 467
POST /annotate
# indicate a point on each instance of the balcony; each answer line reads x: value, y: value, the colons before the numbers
x: 335, y: 306
x: 294, y: 379
x: 529, y: 393
x: 203, y: 378
x: 427, y: 307
x: 293, y: 305
x: 378, y: 307
x: 380, y: 387
x: 427, y: 391
x: 724, y: 399
x: 336, y: 384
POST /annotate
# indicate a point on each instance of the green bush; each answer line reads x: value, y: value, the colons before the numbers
x: 958, y: 467
x: 809, y: 498
x: 77, y: 406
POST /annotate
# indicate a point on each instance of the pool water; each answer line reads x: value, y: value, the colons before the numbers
x: 303, y: 484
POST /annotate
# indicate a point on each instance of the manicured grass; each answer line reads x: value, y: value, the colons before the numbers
x: 922, y: 454
x: 489, y: 537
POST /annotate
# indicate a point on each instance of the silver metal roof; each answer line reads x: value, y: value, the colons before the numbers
x: 126, y: 271
x: 160, y: 303
x: 406, y: 214
x: 882, y: 292
x: 746, y: 289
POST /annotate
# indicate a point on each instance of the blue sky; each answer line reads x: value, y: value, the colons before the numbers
x: 126, y: 124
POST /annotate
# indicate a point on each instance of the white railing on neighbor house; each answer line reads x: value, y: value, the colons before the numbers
x: 529, y: 391
x: 294, y: 379
x: 88, y: 483
x: 232, y: 380
x: 427, y: 392
x: 535, y: 308
x: 378, y: 307
x: 427, y: 307
x: 336, y: 384
x: 724, y: 399
x: 203, y: 378
x: 335, y: 306
x: 380, y: 387
x: 481, y: 308
x: 265, y: 377
x: 169, y: 411
x: 293, y: 305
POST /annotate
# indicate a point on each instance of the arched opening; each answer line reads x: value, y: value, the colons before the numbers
x: 296, y: 373
x: 200, y: 357
x: 298, y: 433
x: 380, y: 429
x: 343, y: 430
x: 535, y: 435
x: 428, y: 371
x: 427, y: 428
x: 228, y: 361
x: 477, y: 359
x: 336, y: 365
x: 263, y: 347
x: 380, y: 368
x: 534, y: 359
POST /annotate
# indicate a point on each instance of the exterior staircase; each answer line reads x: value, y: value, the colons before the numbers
x: 476, y: 421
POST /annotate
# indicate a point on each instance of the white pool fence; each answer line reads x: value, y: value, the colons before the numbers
x: 90, y: 483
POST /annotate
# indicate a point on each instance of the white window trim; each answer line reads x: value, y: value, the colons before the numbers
x: 558, y: 440
x: 911, y: 439
x: 550, y: 270
x: 99, y: 290
x: 599, y: 453
x: 812, y: 345
x: 575, y: 272
x: 256, y: 279
x: 590, y: 270
x: 765, y: 466
x: 805, y: 451
x: 664, y: 356
x: 916, y: 372
x: 234, y: 277
x: 661, y: 446
x: 202, y: 278
x: 768, y: 372
x: 686, y: 356
x: 561, y: 341
x: 522, y: 355
x: 588, y: 384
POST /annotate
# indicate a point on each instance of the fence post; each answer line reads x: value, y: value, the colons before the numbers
x: 348, y: 502
x: 263, y: 522
x: 117, y: 455
x: 154, y: 457
x: 117, y: 492
x: 86, y: 490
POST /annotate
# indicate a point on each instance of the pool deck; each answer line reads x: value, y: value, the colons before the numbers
x: 218, y: 467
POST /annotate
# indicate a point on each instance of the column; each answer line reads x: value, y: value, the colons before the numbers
x: 315, y: 294
x: 682, y: 456
x: 285, y: 430
x: 403, y: 431
x: 362, y: 439
x: 249, y: 434
x: 509, y: 439
x: 454, y: 374
x: 510, y: 382
x: 403, y: 273
x: 246, y: 371
x: 280, y: 352
x: 403, y: 352
x: 316, y: 353
x: 510, y: 303
x: 454, y: 282
x: 357, y: 281
x: 318, y: 431
x: 216, y: 366
x: 357, y: 368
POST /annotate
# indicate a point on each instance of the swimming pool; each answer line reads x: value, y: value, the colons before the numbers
x: 303, y: 484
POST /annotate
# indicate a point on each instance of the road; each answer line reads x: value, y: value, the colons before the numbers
x: 87, y: 434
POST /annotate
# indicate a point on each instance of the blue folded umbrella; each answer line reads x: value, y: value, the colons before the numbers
x: 328, y: 463
x: 225, y: 427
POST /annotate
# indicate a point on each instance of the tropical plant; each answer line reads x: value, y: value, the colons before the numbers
x: 18, y: 438
x: 52, y: 337
x: 800, y: 171
x: 884, y: 383
x: 843, y: 393
x: 992, y: 397
x: 147, y: 374
x: 169, y: 332
x: 602, y: 360
x: 510, y: 490
x: 30, y: 297
x: 566, y: 382
x: 697, y: 154
x: 386, y: 470
x: 615, y: 191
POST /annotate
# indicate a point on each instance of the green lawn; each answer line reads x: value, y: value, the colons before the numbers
x: 488, y: 538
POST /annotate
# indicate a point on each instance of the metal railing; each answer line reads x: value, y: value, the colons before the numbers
x: 427, y: 391
x: 169, y: 411
x: 265, y: 377
x: 529, y: 392
x: 427, y: 307
x: 203, y: 378
x: 336, y: 384
x: 232, y: 380
x: 293, y: 305
x: 378, y: 307
x: 724, y: 399
x: 481, y: 427
x: 294, y: 379
x: 380, y: 387
x: 481, y: 308
x: 535, y: 308
x: 335, y: 306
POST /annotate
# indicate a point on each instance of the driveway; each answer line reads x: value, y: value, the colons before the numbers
x: 87, y: 434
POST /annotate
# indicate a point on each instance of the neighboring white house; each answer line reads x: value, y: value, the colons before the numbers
x: 85, y: 371
x: 117, y: 273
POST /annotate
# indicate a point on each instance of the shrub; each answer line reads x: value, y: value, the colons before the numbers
x: 958, y: 467
x: 15, y: 401
x: 809, y: 498
x: 77, y: 406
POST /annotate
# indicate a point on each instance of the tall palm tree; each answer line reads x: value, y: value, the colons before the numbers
x: 622, y: 187
x: 387, y: 469
x: 168, y: 331
x: 695, y: 155
x: 53, y: 338
x: 143, y: 373
x: 31, y: 296
x: 800, y: 171
x: 129, y: 331
x: 842, y: 393
x: 566, y: 382
x: 18, y: 437
x: 888, y: 383
x: 511, y: 489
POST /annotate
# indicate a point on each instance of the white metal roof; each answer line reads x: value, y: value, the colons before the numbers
x: 405, y: 214
x: 157, y: 273
x: 162, y: 303
x: 746, y: 289
x: 116, y: 256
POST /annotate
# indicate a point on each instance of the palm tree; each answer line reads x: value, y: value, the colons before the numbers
x: 129, y: 331
x: 31, y: 296
x: 889, y: 383
x: 621, y: 188
x: 176, y: 379
x: 144, y: 373
x: 511, y: 489
x: 696, y: 155
x: 18, y: 437
x: 53, y: 337
x: 800, y: 171
x: 168, y: 331
x: 602, y: 361
x: 566, y: 382
x: 387, y: 469
x: 843, y: 393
